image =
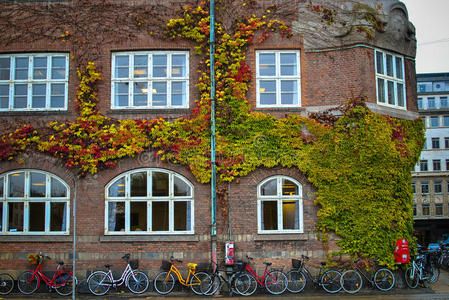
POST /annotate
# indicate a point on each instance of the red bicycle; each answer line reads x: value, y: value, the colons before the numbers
x: 246, y: 283
x: 62, y: 281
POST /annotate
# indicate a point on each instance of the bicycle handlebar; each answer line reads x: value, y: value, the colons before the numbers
x: 175, y: 259
x: 126, y: 256
x: 305, y: 257
x: 249, y: 258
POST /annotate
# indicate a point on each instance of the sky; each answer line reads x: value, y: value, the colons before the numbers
x: 431, y: 21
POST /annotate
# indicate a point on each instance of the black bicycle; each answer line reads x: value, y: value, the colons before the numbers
x: 217, y: 280
x: 328, y: 279
x: 351, y: 280
x: 6, y: 284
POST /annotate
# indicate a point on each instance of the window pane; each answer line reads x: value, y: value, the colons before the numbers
x: 116, y: 216
x: 5, y: 65
x: 1, y: 186
x: 399, y: 68
x: 180, y: 188
x: 445, y: 121
x: 269, y: 215
x: 16, y: 184
x: 267, y: 64
x: 159, y: 94
x: 38, y: 95
x: 160, y: 184
x: 437, y: 187
x: 380, y: 90
x: 1, y: 216
x: 425, y: 209
x: 389, y: 65
x: 390, y: 90
x: 138, y: 216
x: 420, y: 105
x: 289, y: 188
x: 178, y: 93
x: 58, y: 67
x: 57, y: 95
x: 178, y: 65
x: 159, y: 216
x: 40, y: 68
x: 288, y: 64
x: 159, y: 65
x: 57, y: 188
x: 37, y: 216
x: 438, y: 209
x: 379, y: 62
x: 401, y: 98
x: 121, y: 94
x: 269, y: 188
x: 267, y: 92
x: 38, y: 183
x: 140, y: 94
x: 118, y: 188
x: 4, y: 95
x: 289, y: 94
x: 434, y: 122
x: 431, y: 103
x: 140, y: 66
x: 182, y: 216
x: 290, y: 217
x: 443, y: 102
x: 20, y: 95
x: 15, y: 216
x: 122, y: 66
x: 139, y: 184
x: 21, y: 71
x: 58, y: 216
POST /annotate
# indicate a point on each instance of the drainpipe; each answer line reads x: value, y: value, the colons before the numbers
x: 213, y: 180
x: 74, y: 241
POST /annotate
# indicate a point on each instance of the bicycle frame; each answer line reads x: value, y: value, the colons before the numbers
x: 419, y: 268
x: 185, y: 282
x: 50, y: 282
x: 265, y: 273
x: 315, y: 279
x: 370, y: 280
x: 118, y: 282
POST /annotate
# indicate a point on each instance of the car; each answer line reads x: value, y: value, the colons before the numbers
x: 434, y: 248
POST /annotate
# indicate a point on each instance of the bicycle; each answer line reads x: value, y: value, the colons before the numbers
x: 217, y: 280
x: 351, y: 280
x: 62, y: 281
x: 246, y: 282
x: 327, y: 279
x: 6, y: 284
x: 420, y: 272
x: 99, y: 282
x: 164, y: 282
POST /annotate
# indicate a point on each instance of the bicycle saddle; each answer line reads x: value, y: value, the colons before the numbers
x: 108, y: 266
x: 192, y: 266
x: 323, y: 263
x: 60, y: 263
x: 267, y: 263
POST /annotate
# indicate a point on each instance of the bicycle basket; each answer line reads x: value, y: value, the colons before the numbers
x: 134, y: 264
x: 166, y: 265
x: 296, y: 263
x: 33, y: 259
x: 204, y: 267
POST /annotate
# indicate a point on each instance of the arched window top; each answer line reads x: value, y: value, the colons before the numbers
x: 280, y: 186
x: 32, y: 184
x: 149, y: 183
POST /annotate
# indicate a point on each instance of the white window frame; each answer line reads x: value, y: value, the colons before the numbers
x: 26, y: 200
x: 278, y: 78
x: 30, y: 81
x: 149, y: 79
x: 149, y: 199
x: 386, y: 78
x: 279, y: 198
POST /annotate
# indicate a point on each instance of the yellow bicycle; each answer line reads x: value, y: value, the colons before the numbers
x: 164, y: 282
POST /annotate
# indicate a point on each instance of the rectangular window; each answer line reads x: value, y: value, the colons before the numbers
x: 423, y: 165
x: 34, y: 82
x: 270, y: 215
x: 414, y: 210
x: 443, y: 102
x: 447, y: 167
x: 15, y: 216
x: 414, y: 187
x: 426, y: 210
x: 425, y: 187
x: 150, y: 79
x: 420, y: 106
x: 425, y: 144
x: 436, y: 165
x: 446, y: 142
x: 431, y: 103
x: 434, y: 121
x: 278, y: 79
x: 390, y: 79
x: 438, y: 209
x: 435, y: 143
x: 446, y: 121
x: 437, y: 187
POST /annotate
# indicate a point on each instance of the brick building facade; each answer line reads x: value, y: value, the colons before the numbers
x: 331, y: 70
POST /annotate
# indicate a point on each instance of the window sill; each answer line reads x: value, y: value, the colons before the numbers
x: 282, y: 237
x: 34, y: 113
x: 149, y: 238
x: 136, y: 111
x: 36, y: 238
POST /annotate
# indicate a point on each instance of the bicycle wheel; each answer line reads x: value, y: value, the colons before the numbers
x: 68, y: 281
x: 245, y: 284
x: 27, y: 282
x: 296, y: 281
x: 6, y: 284
x: 276, y: 282
x: 137, y: 282
x: 99, y: 283
x: 351, y: 281
x: 231, y: 284
x: 434, y: 274
x: 384, y: 279
x: 164, y: 283
x: 211, y: 287
x: 200, y: 278
x: 411, y: 277
x: 330, y: 281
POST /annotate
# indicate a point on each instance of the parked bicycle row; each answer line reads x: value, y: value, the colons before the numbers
x: 207, y: 279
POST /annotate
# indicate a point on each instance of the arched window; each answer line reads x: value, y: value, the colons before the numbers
x: 33, y: 202
x: 279, y: 205
x: 149, y: 201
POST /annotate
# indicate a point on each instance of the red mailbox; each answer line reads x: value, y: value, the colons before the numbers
x: 401, y: 253
x: 229, y: 251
